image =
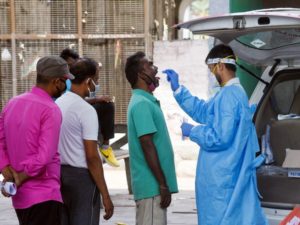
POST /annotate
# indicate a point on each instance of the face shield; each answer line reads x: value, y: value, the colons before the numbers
x: 213, y: 63
x: 226, y: 60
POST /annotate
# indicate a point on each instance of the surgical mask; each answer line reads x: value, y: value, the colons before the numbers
x: 212, y: 74
x: 153, y: 83
x: 92, y: 94
x: 214, y: 86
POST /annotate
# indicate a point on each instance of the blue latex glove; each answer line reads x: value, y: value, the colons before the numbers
x: 172, y: 77
x: 186, y: 129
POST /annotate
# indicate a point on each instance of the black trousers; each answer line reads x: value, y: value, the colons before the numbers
x: 81, y: 197
x: 106, y: 119
x: 45, y: 213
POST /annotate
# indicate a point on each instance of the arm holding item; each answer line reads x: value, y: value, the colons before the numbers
x: 172, y: 77
x: 196, y: 108
x: 186, y: 129
x: 8, y: 186
x: 215, y: 135
x: 219, y: 132
x: 8, y: 189
x: 9, y: 174
x: 8, y: 177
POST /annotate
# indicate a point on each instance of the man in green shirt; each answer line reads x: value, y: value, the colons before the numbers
x: 151, y: 153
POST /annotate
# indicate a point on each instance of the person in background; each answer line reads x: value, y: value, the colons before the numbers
x: 226, y: 189
x: 105, y: 109
x: 151, y: 154
x: 29, y: 133
x: 82, y: 175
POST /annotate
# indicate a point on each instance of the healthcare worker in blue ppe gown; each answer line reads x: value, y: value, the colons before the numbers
x: 226, y: 189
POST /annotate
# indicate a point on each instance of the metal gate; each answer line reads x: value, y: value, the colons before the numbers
x: 106, y: 30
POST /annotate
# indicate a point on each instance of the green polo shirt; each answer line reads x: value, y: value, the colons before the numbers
x: 144, y: 116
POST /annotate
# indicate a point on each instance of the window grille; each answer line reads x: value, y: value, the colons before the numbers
x: 28, y: 52
x: 6, y: 74
x: 4, y: 17
x: 105, y: 30
x: 45, y: 16
x: 112, y: 16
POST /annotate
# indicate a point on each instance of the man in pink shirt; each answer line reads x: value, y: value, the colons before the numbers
x: 29, y: 133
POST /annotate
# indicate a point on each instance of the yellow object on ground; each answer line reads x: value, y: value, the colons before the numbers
x: 109, y: 156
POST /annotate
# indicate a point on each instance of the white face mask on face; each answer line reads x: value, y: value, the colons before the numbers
x: 92, y: 94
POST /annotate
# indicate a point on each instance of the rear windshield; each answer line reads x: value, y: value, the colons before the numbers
x: 268, y: 40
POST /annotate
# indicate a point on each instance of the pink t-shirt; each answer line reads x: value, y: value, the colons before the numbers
x: 29, y: 133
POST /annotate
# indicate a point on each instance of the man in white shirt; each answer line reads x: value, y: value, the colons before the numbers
x: 105, y: 109
x: 82, y: 172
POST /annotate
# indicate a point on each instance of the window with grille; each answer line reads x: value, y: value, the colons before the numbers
x: 105, y: 30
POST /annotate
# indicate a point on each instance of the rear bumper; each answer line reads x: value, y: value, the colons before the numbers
x: 280, y: 193
x: 275, y: 216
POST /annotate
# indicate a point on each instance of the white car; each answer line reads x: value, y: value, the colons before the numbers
x: 268, y: 38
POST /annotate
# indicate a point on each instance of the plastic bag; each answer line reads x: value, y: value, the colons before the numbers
x: 266, y: 149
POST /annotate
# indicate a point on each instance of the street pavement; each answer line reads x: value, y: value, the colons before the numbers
x: 181, y: 212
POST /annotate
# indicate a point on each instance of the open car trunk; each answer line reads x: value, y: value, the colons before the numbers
x: 282, y: 97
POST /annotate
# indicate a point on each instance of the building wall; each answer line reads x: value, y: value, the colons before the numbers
x: 187, y: 58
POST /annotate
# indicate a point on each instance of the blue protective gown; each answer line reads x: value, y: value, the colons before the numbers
x: 226, y: 189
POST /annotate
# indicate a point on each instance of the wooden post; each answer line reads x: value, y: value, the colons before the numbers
x: 13, y: 46
x: 146, y: 28
x: 79, y: 26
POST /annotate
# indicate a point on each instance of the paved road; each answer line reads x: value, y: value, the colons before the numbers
x: 181, y: 212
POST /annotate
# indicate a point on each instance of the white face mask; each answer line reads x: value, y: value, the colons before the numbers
x: 92, y: 94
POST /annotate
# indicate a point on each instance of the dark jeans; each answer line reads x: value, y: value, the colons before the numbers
x: 45, y: 213
x: 106, y: 119
x: 81, y: 197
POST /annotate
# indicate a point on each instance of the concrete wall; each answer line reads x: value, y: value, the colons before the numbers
x: 187, y: 58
